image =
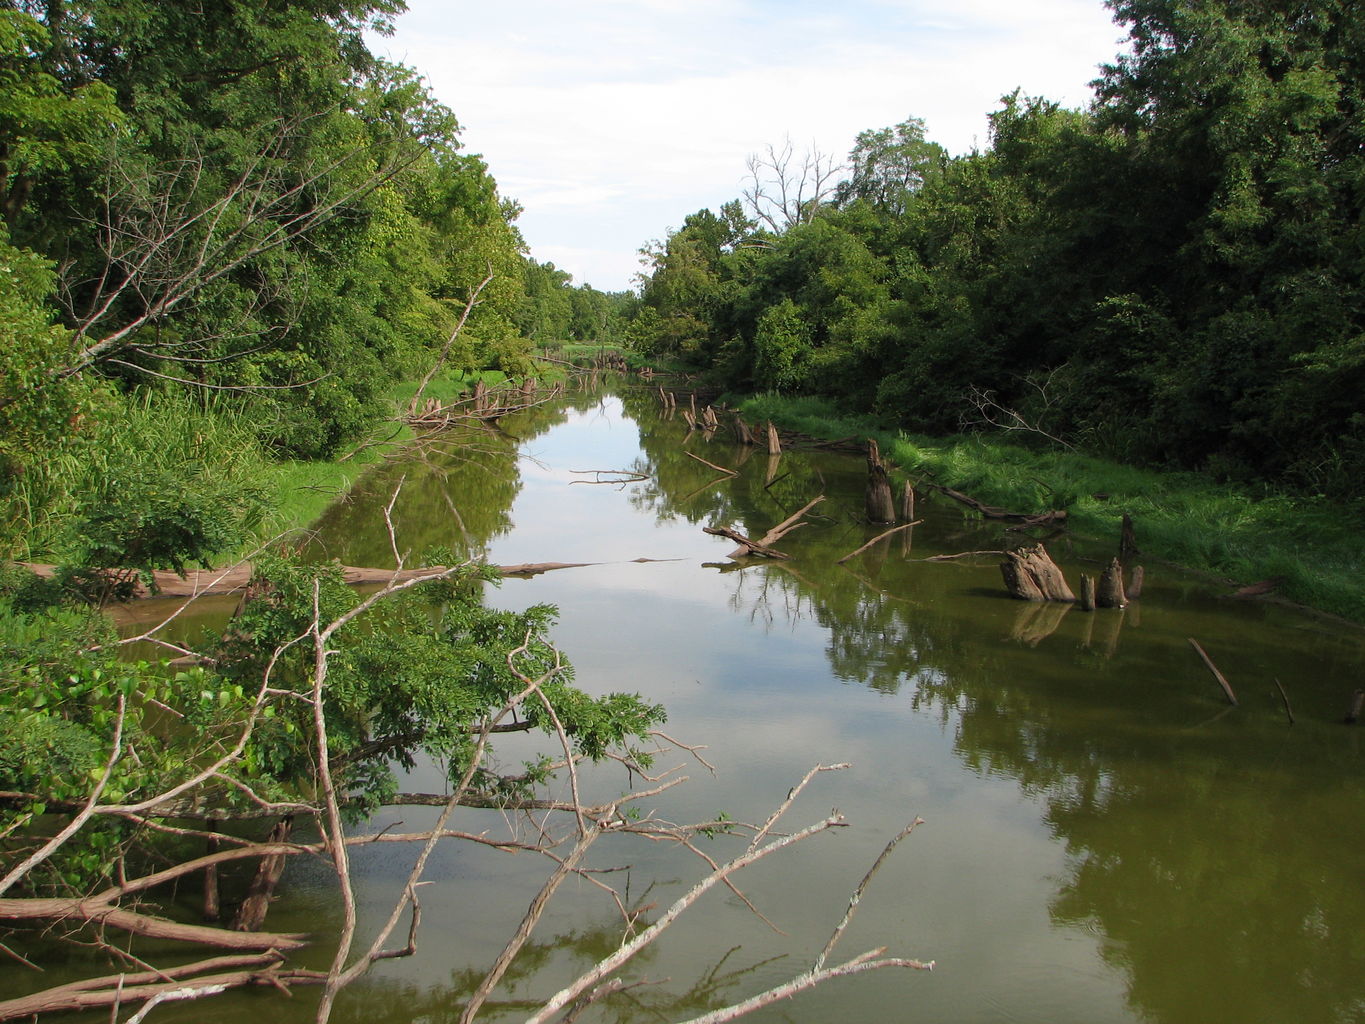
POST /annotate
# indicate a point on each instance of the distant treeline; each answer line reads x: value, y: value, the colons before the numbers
x: 1175, y: 276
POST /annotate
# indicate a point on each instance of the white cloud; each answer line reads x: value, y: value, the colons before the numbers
x: 611, y: 120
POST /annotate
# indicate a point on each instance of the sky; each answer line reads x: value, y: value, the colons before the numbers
x: 612, y: 120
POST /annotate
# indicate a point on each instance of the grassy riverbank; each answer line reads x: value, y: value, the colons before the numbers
x: 1311, y: 547
x: 304, y: 489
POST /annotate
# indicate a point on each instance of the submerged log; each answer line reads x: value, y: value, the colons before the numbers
x: 880, y: 503
x: 1109, y: 591
x: 1030, y: 574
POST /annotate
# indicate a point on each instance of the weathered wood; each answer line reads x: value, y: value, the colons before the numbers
x: 1030, y: 574
x: 718, y: 469
x: 881, y: 536
x: 880, y: 504
x: 1018, y: 581
x: 205, y: 582
x: 1135, y: 581
x: 690, y: 418
x: 746, y: 546
x: 251, y: 914
x: 1222, y: 680
x: 774, y: 442
x: 1109, y: 590
x: 908, y: 501
x: 1087, y: 592
x: 1056, y: 516
x: 743, y: 434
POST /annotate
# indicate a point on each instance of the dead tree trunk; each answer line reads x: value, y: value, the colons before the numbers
x: 908, y: 502
x: 743, y: 434
x: 1030, y: 574
x: 1109, y: 592
x: 1087, y: 592
x: 881, y: 504
x: 251, y: 914
x: 774, y: 442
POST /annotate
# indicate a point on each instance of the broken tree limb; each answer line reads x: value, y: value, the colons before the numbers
x: 791, y: 522
x: 125, y: 989
x: 993, y: 553
x: 746, y: 546
x: 881, y: 536
x: 991, y: 512
x: 1030, y: 574
x: 718, y: 469
x: 1222, y: 680
x: 1289, y: 711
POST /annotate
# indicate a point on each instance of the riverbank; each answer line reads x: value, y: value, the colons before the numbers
x: 1306, y: 550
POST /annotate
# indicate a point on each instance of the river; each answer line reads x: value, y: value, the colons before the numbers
x: 1105, y: 839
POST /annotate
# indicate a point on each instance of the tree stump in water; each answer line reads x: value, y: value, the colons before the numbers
x: 1031, y: 575
x: 881, y: 504
x: 1087, y: 593
x: 743, y: 434
x: 1109, y: 593
x: 774, y: 442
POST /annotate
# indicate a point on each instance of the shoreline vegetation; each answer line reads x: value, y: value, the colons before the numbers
x: 1306, y: 550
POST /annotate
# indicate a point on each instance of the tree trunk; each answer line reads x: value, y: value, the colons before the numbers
x: 881, y: 504
x: 1109, y: 592
x: 1030, y: 574
x: 251, y: 914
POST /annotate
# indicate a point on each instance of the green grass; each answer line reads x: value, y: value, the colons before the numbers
x: 1183, y: 518
x: 304, y: 490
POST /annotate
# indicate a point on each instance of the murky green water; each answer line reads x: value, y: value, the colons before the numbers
x: 1105, y: 840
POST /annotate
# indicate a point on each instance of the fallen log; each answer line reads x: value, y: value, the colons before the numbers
x: 179, y: 983
x: 204, y: 582
x: 763, y: 546
x: 746, y: 546
x: 991, y: 512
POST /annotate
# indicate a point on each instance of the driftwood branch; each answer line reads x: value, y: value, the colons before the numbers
x: 1222, y: 680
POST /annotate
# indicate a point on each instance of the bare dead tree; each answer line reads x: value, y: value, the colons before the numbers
x: 784, y: 189
x: 986, y: 410
x: 167, y: 235
x: 469, y: 305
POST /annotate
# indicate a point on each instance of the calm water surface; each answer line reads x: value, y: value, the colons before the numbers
x: 1105, y: 840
